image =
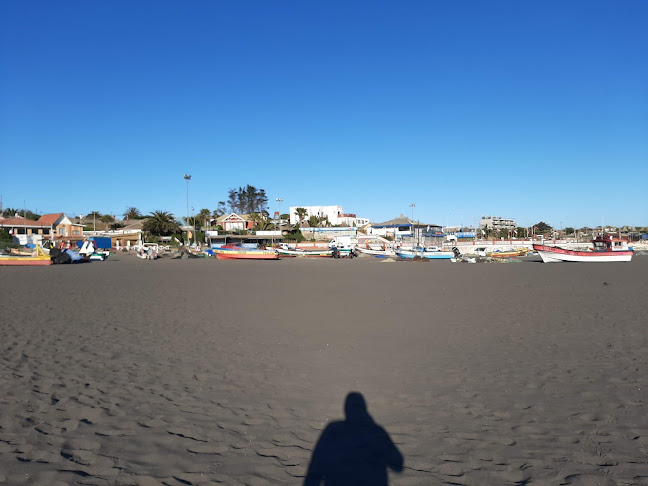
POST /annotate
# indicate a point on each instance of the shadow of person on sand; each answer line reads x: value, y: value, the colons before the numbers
x: 353, y: 452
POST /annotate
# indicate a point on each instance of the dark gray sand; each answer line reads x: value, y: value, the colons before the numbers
x: 205, y: 372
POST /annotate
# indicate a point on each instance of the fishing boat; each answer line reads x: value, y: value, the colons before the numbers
x: 232, y: 252
x: 37, y: 258
x: 380, y: 250
x: 387, y: 252
x: 301, y: 252
x: 507, y: 253
x: 420, y: 252
x: 604, y: 249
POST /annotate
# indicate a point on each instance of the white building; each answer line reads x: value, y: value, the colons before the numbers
x: 497, y: 223
x: 335, y: 215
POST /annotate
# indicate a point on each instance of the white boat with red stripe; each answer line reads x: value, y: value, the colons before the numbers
x: 604, y: 249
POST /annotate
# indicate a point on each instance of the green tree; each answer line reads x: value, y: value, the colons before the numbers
x: 220, y: 209
x: 301, y: 213
x: 132, y: 213
x: 94, y: 215
x: 314, y: 221
x: 542, y: 228
x: 161, y: 223
x: 569, y: 230
x: 247, y: 200
x: 11, y: 212
x: 107, y: 218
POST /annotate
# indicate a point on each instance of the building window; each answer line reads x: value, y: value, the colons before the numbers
x: 75, y: 232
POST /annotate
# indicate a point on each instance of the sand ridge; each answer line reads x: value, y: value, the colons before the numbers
x: 204, y: 372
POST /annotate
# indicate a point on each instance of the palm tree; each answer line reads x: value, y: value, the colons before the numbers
x: 260, y: 220
x: 132, y: 213
x: 10, y: 212
x: 161, y: 223
x: 204, y: 215
x: 301, y: 213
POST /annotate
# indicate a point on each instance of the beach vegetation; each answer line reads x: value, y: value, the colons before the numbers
x: 161, y: 223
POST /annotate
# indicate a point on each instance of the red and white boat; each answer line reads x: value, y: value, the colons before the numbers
x: 233, y: 252
x: 605, y: 249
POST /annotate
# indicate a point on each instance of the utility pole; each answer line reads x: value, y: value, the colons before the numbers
x: 187, y: 178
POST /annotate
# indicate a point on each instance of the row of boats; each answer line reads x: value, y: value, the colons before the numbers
x: 604, y: 249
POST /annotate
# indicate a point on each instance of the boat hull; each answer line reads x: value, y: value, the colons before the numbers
x: 305, y: 253
x: 506, y: 254
x: 369, y: 251
x: 551, y: 254
x: 246, y: 254
x: 430, y: 255
x: 25, y: 261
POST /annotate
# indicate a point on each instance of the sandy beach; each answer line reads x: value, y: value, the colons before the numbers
x: 192, y: 372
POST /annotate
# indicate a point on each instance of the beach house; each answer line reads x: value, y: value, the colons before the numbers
x: 25, y: 230
x: 233, y: 222
x: 61, y: 226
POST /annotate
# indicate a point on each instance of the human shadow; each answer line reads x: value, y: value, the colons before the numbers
x: 353, y: 452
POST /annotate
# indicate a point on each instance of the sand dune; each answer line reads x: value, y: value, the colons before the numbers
x: 198, y: 372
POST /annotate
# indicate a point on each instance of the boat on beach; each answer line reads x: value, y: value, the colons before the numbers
x: 285, y: 250
x: 604, y: 249
x: 37, y: 258
x: 387, y: 252
x: 508, y: 254
x: 432, y: 253
x: 232, y: 252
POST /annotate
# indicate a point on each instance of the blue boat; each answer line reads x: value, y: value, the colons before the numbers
x: 418, y: 251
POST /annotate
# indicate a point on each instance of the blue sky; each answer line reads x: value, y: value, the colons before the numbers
x: 528, y: 110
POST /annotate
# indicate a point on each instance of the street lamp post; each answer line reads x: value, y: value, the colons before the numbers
x: 413, y: 205
x: 187, y: 178
x: 279, y: 200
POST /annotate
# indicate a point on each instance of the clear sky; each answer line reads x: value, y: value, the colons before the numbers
x: 528, y: 110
